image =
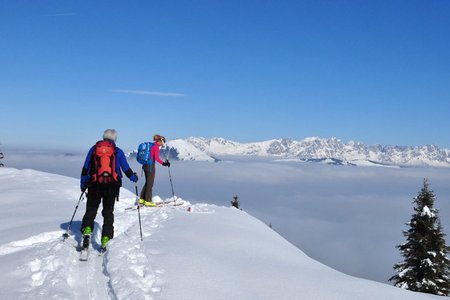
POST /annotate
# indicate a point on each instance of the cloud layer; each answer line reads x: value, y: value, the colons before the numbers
x: 349, y: 218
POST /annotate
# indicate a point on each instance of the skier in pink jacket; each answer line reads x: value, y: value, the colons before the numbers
x: 150, y: 170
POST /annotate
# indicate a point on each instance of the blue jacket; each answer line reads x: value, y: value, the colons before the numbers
x: 121, y: 163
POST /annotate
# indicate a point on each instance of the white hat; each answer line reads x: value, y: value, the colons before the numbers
x: 110, y: 134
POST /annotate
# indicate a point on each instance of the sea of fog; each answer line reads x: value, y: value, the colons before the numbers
x: 349, y: 218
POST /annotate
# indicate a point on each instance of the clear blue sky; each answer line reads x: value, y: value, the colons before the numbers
x: 371, y: 71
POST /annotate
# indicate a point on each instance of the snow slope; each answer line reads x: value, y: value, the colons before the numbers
x: 196, y: 251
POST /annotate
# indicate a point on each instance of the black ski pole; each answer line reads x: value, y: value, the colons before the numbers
x: 66, y: 234
x: 139, y: 211
x: 171, y: 183
x: 170, y: 176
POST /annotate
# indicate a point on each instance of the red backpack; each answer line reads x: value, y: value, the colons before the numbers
x: 104, y: 163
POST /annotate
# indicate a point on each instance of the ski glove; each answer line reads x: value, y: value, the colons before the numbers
x: 134, y: 177
x: 84, y: 182
x: 166, y: 163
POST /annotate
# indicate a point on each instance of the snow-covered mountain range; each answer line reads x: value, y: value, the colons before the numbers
x: 312, y: 149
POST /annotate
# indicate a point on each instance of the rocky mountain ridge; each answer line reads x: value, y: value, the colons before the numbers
x: 312, y: 149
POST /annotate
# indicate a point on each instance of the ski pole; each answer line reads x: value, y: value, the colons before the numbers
x: 170, y: 176
x: 171, y: 183
x: 66, y: 234
x: 139, y: 212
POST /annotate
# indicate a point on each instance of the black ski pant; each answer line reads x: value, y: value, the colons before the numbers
x: 147, y: 189
x: 108, y: 198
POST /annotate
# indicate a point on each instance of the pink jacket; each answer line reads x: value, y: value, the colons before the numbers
x: 155, y: 153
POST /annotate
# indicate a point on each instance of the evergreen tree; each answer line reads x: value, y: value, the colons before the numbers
x: 426, y: 266
x: 235, y: 202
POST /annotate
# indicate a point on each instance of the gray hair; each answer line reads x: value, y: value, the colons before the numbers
x: 110, y: 134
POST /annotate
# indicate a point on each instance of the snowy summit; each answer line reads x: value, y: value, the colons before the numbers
x: 190, y: 251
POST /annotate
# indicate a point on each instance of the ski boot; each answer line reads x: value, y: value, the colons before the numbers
x: 149, y: 204
x: 105, y: 240
x: 87, y: 232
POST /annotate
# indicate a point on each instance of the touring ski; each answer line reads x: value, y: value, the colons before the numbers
x: 160, y: 204
x: 173, y: 202
x: 102, y: 251
x: 84, y: 253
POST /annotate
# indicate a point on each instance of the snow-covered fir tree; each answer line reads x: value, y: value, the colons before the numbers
x: 426, y: 266
x: 235, y: 202
x: 1, y: 157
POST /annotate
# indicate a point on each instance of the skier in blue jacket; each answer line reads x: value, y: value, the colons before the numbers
x: 102, y: 176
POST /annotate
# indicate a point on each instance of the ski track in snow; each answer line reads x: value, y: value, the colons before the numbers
x: 53, y: 269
